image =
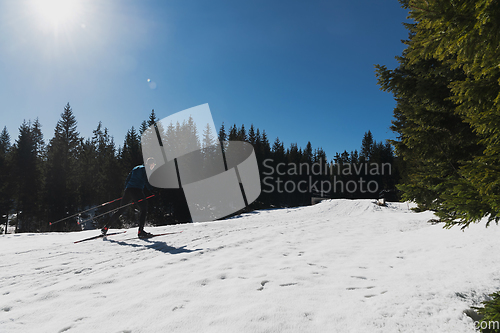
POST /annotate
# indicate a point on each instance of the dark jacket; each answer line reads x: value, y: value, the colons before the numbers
x: 137, y: 178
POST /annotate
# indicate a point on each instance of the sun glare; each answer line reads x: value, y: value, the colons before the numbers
x: 56, y: 12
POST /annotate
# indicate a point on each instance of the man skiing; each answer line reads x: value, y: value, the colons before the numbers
x: 134, y: 185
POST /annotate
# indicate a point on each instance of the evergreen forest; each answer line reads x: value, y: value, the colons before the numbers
x: 45, y: 181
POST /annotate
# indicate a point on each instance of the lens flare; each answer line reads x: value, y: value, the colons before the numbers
x: 57, y: 12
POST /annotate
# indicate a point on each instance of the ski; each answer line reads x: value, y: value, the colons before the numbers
x: 155, y: 235
x: 100, y: 236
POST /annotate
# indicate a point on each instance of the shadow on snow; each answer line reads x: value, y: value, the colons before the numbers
x: 157, y: 245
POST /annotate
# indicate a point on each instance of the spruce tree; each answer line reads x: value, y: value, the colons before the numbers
x: 152, y: 118
x: 258, y: 145
x: 355, y: 158
x: 222, y: 136
x: 294, y: 154
x: 208, y: 139
x: 265, y: 151
x: 5, y: 175
x: 366, y: 146
x: 28, y: 177
x: 464, y: 34
x: 131, y: 153
x: 87, y: 174
x: 144, y: 126
x: 278, y: 156
x: 222, y: 133
x: 307, y: 156
x: 447, y: 107
x: 62, y: 178
x: 252, y: 136
x: 345, y: 157
x: 109, y: 181
x: 242, y: 133
x: 4, y: 142
x: 278, y: 151
x: 233, y: 133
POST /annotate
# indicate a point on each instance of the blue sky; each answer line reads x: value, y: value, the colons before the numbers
x: 300, y: 70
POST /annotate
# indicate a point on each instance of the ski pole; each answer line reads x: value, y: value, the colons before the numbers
x: 68, y: 217
x: 114, y: 210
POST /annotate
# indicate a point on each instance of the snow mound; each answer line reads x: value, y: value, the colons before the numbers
x: 338, y: 266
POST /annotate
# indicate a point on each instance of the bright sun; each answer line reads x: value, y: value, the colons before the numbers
x: 57, y: 12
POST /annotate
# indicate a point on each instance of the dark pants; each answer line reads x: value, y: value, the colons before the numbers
x: 131, y: 195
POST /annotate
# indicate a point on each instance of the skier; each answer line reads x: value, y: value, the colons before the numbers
x: 134, y: 185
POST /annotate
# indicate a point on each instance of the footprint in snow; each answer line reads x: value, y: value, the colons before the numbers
x: 356, y: 288
x: 262, y: 284
x: 308, y: 315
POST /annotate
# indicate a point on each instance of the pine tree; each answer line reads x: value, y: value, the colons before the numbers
x: 213, y: 162
x: 62, y: 178
x: 208, y: 137
x: 258, y: 145
x: 242, y: 133
x: 307, y: 156
x: 233, y: 133
x: 464, y: 34
x: 366, y: 146
x: 355, y: 158
x: 5, y: 175
x: 131, y: 154
x: 278, y: 151
x: 222, y: 133
x: 344, y: 157
x: 222, y: 136
x: 4, y: 142
x: 108, y: 178
x: 190, y: 136
x: 252, y: 136
x: 294, y: 154
x: 442, y: 88
x: 152, y: 118
x: 265, y: 151
x: 28, y: 177
x: 144, y: 126
x: 87, y: 174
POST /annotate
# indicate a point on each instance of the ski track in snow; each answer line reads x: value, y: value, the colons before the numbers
x: 339, y: 266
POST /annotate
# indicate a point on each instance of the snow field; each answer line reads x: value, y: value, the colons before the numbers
x: 339, y: 266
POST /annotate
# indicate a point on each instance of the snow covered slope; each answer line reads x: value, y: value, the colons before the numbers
x: 339, y: 266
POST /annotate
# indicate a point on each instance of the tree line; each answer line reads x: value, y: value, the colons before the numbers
x: 42, y: 182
